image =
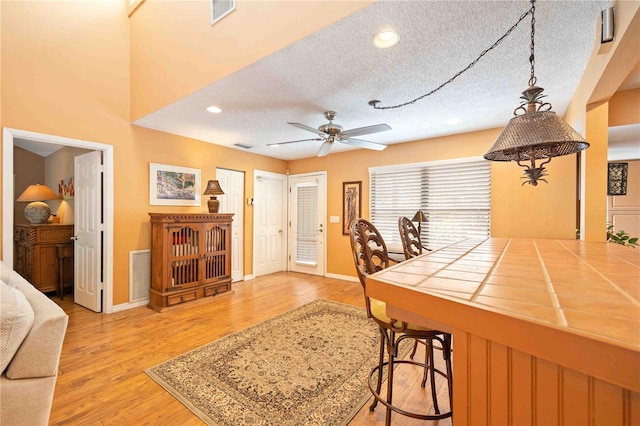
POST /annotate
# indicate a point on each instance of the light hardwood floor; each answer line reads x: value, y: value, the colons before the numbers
x: 102, y: 381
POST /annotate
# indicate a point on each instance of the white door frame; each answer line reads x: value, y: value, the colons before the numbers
x: 8, y: 136
x: 257, y: 174
x: 322, y: 176
x: 237, y: 225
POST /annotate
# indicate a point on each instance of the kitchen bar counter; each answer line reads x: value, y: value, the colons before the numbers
x: 544, y: 331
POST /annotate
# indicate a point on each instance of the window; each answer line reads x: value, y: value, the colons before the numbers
x: 454, y: 195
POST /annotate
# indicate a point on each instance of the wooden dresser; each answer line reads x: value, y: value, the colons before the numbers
x: 190, y: 257
x: 35, y: 252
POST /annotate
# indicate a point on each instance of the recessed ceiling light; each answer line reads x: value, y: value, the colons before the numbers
x: 385, y: 39
x: 214, y: 109
x: 453, y: 121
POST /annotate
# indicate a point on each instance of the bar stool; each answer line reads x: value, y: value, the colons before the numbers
x: 412, y: 247
x: 64, y: 251
x: 370, y: 256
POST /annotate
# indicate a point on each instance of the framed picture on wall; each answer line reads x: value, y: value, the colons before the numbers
x: 351, y: 208
x: 173, y: 185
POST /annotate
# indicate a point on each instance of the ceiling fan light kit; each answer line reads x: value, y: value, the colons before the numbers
x: 331, y: 132
x: 535, y: 133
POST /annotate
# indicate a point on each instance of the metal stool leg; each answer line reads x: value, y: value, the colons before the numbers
x: 380, y: 366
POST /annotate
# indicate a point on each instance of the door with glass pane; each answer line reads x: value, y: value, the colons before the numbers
x: 307, y: 226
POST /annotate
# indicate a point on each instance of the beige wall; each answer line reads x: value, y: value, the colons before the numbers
x: 624, y: 108
x: 70, y: 68
x: 59, y: 166
x: 28, y: 169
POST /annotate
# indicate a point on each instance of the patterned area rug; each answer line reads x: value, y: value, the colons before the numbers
x: 308, y: 366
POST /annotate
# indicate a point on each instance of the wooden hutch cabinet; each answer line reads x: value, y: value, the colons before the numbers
x: 190, y: 257
x: 35, y: 256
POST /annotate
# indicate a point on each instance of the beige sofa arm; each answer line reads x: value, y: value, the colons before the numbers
x: 39, y: 354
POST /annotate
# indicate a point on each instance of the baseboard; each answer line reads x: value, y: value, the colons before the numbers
x: 343, y: 277
x: 125, y: 306
x: 248, y: 277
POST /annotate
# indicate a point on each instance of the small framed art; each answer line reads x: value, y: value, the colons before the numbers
x: 173, y: 185
x: 351, y: 208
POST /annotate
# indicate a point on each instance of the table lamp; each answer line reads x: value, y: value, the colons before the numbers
x: 213, y: 189
x: 37, y: 211
x: 419, y: 217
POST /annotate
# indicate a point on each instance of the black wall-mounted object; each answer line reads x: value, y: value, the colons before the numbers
x: 617, y: 178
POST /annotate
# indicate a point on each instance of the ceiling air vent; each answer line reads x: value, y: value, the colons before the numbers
x: 240, y: 145
x: 221, y: 8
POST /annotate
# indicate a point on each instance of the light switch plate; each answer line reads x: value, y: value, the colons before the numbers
x: 334, y: 219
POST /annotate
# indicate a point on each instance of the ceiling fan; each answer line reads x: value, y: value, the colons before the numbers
x: 331, y: 132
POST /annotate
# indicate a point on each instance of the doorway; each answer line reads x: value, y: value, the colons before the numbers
x: 8, y: 198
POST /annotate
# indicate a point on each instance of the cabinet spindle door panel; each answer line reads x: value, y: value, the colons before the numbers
x: 216, y: 258
x: 185, y: 256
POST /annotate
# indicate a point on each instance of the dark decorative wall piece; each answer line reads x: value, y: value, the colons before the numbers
x: 617, y: 178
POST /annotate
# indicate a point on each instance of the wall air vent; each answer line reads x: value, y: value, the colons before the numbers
x: 139, y: 275
x: 221, y: 8
x: 240, y: 145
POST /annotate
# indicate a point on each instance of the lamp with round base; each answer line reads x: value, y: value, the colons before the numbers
x: 419, y: 217
x: 213, y: 189
x: 37, y: 211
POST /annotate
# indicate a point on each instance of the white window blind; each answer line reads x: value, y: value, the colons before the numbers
x: 307, y: 221
x: 454, y: 195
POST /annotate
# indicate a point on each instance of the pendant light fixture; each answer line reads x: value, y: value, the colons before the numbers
x: 536, y: 132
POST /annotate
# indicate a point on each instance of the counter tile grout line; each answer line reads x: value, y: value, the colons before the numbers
x: 483, y: 284
x: 562, y: 320
x: 611, y: 283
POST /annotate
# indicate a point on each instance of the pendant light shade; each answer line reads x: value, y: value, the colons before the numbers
x: 538, y: 135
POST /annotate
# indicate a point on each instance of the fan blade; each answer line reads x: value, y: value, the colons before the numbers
x: 363, y: 144
x: 365, y: 130
x: 310, y: 129
x: 300, y: 140
x: 324, y: 149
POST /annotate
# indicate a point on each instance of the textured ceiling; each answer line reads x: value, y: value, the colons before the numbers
x: 339, y: 69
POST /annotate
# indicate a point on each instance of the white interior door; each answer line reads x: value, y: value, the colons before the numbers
x: 232, y: 183
x: 88, y: 228
x: 269, y: 219
x: 307, y: 223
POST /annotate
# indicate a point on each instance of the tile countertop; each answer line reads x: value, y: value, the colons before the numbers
x: 585, y: 293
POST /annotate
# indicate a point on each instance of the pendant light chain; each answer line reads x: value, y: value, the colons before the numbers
x: 532, y: 58
x: 531, y: 11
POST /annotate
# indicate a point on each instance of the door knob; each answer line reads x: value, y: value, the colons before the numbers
x: 75, y: 238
